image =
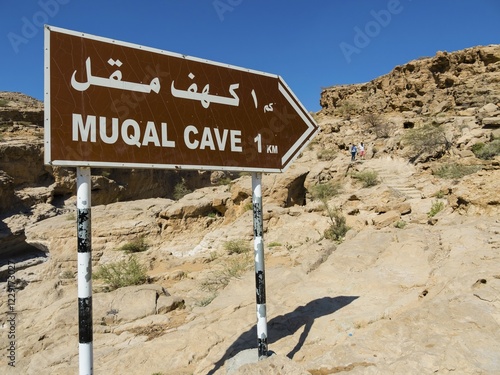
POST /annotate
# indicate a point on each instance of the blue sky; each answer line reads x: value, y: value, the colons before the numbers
x: 312, y: 44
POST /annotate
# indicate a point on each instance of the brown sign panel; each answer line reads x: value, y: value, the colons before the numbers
x: 115, y: 104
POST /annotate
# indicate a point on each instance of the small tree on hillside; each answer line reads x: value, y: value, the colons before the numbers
x: 428, y: 139
x: 375, y: 122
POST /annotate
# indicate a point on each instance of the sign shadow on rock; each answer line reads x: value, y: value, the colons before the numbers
x: 286, y: 325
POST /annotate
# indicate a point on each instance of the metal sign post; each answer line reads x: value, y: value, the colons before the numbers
x: 260, y: 280
x: 84, y: 236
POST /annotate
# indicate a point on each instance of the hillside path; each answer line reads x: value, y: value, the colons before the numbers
x: 396, y: 173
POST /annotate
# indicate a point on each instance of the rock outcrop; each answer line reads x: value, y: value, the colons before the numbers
x: 446, y: 83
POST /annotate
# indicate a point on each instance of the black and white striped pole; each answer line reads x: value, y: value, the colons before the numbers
x: 83, y: 213
x: 260, y: 280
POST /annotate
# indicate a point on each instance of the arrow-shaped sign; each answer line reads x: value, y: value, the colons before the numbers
x: 115, y: 104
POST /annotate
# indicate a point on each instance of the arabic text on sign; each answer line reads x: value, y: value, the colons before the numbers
x: 114, y: 80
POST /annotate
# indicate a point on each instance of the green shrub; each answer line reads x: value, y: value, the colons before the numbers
x: 180, y: 190
x: 233, y: 268
x: 213, y: 256
x: 477, y: 147
x: 400, y: 224
x: 455, y: 171
x: 236, y: 247
x: 325, y: 191
x: 248, y: 206
x: 338, y: 227
x: 122, y: 273
x: 274, y: 244
x: 486, y: 151
x: 224, y: 181
x: 136, y: 246
x: 436, y: 207
x: 67, y: 274
x: 326, y: 154
x: 3, y: 102
x: 440, y: 194
x: 206, y: 300
x: 368, y: 178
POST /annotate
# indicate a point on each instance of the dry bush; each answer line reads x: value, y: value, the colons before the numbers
x: 429, y: 139
x: 367, y: 178
x: 338, y: 227
x: 376, y: 123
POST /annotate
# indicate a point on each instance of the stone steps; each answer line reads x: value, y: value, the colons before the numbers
x: 395, y: 175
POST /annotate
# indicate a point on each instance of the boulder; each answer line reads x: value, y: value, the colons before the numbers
x: 386, y: 219
x: 491, y: 122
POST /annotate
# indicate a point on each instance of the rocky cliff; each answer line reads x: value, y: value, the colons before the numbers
x: 446, y: 83
x: 373, y: 266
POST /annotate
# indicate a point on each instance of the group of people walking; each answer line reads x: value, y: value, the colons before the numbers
x: 357, y: 150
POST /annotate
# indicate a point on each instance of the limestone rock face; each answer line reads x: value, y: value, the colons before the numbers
x: 129, y: 304
x: 447, y: 82
x: 386, y: 300
x: 19, y: 109
x: 6, y: 191
x: 23, y: 162
x: 478, y: 193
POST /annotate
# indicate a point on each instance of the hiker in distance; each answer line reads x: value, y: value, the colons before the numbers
x: 354, y: 151
x: 361, y: 149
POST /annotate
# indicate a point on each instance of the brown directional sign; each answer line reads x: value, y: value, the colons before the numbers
x: 115, y: 104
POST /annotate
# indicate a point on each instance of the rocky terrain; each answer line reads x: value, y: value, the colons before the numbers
x: 410, y: 284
